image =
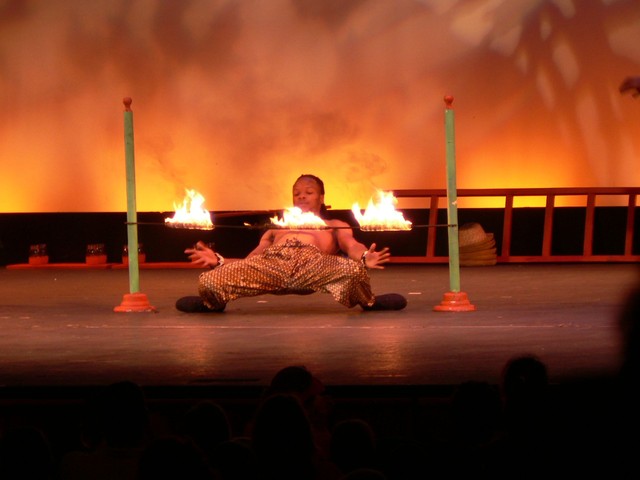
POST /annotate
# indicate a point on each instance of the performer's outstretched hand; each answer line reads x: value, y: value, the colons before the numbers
x: 375, y: 259
x: 202, y: 255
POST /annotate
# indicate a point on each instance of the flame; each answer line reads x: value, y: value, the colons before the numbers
x: 295, y: 217
x: 381, y: 215
x: 191, y: 214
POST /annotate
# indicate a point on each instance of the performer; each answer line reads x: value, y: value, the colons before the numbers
x: 288, y: 261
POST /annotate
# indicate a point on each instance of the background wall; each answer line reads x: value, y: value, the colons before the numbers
x: 236, y: 98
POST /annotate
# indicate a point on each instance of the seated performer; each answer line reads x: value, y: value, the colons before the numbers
x: 289, y: 261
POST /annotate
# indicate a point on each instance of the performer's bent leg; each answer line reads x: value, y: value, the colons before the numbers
x: 352, y: 286
x: 348, y: 281
x: 345, y: 279
x: 243, y: 278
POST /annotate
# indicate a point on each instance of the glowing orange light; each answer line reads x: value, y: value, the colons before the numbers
x: 294, y: 217
x: 381, y: 215
x: 191, y: 214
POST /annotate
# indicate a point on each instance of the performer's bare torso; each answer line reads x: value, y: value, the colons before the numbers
x: 324, y: 239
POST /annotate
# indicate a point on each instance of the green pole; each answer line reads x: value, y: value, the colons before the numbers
x: 452, y: 197
x: 132, y: 220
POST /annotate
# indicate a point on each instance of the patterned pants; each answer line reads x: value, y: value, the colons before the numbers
x: 292, y: 267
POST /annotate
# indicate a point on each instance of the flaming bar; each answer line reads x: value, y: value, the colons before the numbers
x: 294, y: 217
x: 191, y: 215
x: 381, y: 216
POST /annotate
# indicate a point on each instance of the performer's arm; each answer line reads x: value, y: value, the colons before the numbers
x: 358, y: 251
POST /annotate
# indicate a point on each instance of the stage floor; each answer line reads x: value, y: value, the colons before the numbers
x: 59, y: 328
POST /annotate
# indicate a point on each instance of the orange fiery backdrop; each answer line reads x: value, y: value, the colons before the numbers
x: 236, y: 98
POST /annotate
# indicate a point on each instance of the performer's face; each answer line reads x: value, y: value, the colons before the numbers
x: 307, y: 196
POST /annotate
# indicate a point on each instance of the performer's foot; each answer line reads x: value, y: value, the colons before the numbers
x: 388, y: 301
x: 194, y: 305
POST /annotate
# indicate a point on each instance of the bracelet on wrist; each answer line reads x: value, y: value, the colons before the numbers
x: 220, y: 260
x: 363, y: 258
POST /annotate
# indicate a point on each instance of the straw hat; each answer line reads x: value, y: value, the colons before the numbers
x: 476, y: 247
x: 487, y: 244
x: 482, y: 254
x: 472, y: 234
x: 478, y: 263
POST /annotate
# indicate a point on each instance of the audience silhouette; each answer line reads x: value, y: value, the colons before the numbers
x: 353, y: 446
x: 475, y: 423
x: 297, y: 380
x: 524, y: 427
x: 528, y: 434
x: 25, y: 453
x: 282, y: 439
x: 207, y: 425
x: 173, y: 457
x: 119, y: 430
x: 235, y: 460
x: 364, y: 474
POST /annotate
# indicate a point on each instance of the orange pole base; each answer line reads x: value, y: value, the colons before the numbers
x: 135, y: 302
x: 455, y: 302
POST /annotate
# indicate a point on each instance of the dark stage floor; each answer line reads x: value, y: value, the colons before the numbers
x: 58, y: 328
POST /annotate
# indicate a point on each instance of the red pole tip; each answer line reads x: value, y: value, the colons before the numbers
x: 455, y: 302
x: 127, y: 103
x: 135, y: 302
x: 448, y: 99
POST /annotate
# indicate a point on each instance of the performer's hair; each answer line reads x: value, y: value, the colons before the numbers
x: 314, y: 178
x: 324, y: 212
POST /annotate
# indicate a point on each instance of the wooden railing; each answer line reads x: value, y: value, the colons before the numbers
x: 504, y: 255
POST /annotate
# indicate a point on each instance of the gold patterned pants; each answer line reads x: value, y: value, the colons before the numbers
x: 291, y: 267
